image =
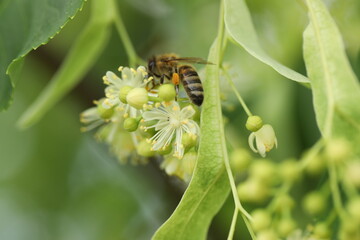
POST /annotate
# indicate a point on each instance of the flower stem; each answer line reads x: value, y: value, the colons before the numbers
x: 335, y: 191
x: 238, y: 206
x: 232, y: 85
x: 312, y: 153
x: 129, y: 48
x: 233, y: 223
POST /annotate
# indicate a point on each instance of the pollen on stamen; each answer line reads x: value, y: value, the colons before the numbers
x: 148, y: 140
x: 157, y: 104
x: 120, y: 68
x: 106, y: 81
x: 133, y: 70
x: 126, y: 115
x: 176, y: 108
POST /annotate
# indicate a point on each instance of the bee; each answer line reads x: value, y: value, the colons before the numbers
x: 169, y: 66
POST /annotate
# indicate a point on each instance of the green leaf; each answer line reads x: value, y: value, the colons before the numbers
x: 209, y: 186
x: 241, y: 29
x: 335, y: 88
x: 79, y: 60
x: 25, y: 25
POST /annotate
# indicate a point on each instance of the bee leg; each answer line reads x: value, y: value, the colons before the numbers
x: 163, y: 77
x: 177, y: 91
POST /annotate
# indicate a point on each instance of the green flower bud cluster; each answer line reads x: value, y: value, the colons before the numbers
x: 277, y: 189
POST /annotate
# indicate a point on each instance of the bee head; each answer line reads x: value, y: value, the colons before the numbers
x: 152, y: 65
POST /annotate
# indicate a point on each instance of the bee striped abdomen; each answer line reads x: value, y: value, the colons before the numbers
x: 192, y: 84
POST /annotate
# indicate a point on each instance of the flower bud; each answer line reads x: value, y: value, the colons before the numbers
x: 170, y: 165
x: 290, y: 170
x: 261, y: 219
x: 254, y: 123
x: 321, y: 231
x: 137, y: 97
x: 167, y: 92
x: 283, y: 203
x: 188, y: 164
x: 104, y: 113
x: 267, y: 234
x: 337, y: 150
x: 349, y: 230
x: 263, y: 170
x: 189, y: 140
x: 316, y: 166
x: 352, y: 171
x: 253, y: 190
x: 131, y: 124
x: 196, y: 117
x: 124, y: 92
x: 144, y: 149
x: 285, y: 227
x: 353, y: 208
x: 314, y: 203
x: 239, y: 160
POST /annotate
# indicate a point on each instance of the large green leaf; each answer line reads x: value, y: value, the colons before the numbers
x: 79, y: 60
x: 25, y: 25
x: 209, y: 186
x: 335, y: 88
x: 241, y: 29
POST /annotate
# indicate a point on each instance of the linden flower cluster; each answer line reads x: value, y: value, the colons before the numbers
x: 138, y: 116
x: 280, y: 195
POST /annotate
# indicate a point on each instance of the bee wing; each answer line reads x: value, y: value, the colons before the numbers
x: 188, y: 60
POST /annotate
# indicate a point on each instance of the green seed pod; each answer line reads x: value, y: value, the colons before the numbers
x: 290, y: 170
x: 131, y: 124
x: 144, y: 149
x: 167, y: 92
x: 254, y: 123
x: 137, y: 97
x: 261, y: 219
x: 314, y: 203
x: 239, y: 160
x: 285, y: 227
x: 124, y: 92
x: 104, y: 113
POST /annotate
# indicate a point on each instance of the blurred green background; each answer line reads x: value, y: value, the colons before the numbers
x: 58, y: 183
